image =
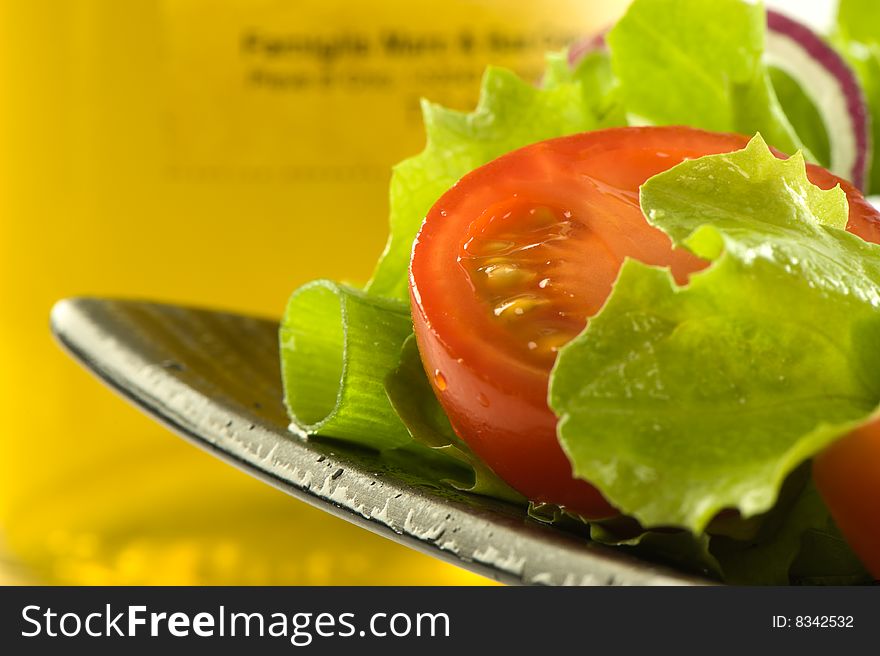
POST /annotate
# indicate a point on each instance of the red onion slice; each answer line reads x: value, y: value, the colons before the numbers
x: 831, y: 86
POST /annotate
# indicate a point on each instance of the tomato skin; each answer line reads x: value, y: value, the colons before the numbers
x: 847, y: 475
x: 494, y: 393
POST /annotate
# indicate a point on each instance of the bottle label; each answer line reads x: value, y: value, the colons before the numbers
x: 329, y: 91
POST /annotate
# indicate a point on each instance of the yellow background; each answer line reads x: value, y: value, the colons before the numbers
x: 110, y: 185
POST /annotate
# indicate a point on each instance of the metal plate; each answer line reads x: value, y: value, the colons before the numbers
x: 214, y: 378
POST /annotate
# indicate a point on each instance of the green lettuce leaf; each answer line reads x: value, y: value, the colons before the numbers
x: 511, y: 113
x: 801, y: 545
x: 597, y: 83
x: 857, y: 37
x: 859, y: 20
x: 698, y: 63
x: 680, y: 549
x: 796, y: 542
x: 803, y: 115
x: 826, y: 558
x: 678, y: 402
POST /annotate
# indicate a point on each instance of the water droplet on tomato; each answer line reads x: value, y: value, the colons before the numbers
x: 439, y: 380
x: 483, y: 400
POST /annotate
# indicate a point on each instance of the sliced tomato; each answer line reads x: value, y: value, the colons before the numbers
x: 513, y: 260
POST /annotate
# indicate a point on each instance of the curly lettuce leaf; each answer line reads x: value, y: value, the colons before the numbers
x: 698, y: 63
x: 796, y: 542
x: 511, y: 113
x: 597, y: 82
x: 678, y: 402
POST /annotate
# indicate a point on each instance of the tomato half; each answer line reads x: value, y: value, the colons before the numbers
x: 512, y: 261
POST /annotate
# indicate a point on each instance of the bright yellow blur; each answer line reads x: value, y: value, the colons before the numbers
x: 135, y: 161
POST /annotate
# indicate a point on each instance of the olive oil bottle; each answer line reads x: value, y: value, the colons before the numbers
x: 214, y: 153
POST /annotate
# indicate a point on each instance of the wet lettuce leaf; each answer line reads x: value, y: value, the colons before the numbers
x: 678, y: 402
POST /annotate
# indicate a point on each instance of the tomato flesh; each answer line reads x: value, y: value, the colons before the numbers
x: 513, y: 260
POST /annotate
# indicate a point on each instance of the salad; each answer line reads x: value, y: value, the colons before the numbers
x: 642, y: 295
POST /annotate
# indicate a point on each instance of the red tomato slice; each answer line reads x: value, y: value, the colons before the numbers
x: 512, y: 261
